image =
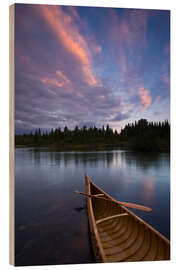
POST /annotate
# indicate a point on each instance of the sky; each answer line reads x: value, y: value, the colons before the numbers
x: 90, y: 66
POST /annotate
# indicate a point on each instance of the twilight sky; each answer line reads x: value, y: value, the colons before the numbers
x: 90, y: 66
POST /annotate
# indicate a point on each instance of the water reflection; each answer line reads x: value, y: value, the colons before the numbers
x: 105, y: 158
x: 66, y: 159
x: 146, y: 161
x: 149, y: 189
x: 51, y: 221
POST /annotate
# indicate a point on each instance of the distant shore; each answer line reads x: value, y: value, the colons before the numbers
x: 89, y: 147
x: 75, y: 147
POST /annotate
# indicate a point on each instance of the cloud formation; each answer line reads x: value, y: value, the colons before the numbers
x: 87, y: 65
x: 68, y: 35
x: 144, y: 97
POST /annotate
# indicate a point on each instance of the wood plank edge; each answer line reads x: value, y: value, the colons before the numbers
x: 11, y: 134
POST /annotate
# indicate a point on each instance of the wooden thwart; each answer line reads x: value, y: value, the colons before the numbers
x: 92, y: 196
x: 98, y: 195
x: 126, y: 204
x: 107, y: 218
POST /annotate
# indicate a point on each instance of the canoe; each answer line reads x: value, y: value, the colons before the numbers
x: 117, y: 234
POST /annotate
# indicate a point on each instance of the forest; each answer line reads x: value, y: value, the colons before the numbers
x: 140, y: 136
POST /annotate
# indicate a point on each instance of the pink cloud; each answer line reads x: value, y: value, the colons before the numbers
x: 51, y: 81
x: 73, y: 12
x: 68, y: 34
x: 62, y: 77
x: 145, y: 97
x: 59, y: 82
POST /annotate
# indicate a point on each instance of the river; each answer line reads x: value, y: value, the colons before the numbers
x: 51, y: 225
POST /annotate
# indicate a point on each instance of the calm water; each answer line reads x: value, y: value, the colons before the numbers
x: 51, y: 225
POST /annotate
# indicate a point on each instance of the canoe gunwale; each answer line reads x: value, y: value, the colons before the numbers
x: 96, y: 242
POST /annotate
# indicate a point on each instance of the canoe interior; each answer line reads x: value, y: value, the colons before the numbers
x: 122, y: 238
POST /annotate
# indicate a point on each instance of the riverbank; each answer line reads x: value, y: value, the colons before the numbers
x: 75, y: 147
x: 94, y: 147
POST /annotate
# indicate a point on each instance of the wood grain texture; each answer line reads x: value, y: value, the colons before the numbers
x: 11, y: 134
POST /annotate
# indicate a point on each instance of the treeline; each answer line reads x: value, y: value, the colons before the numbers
x: 141, y: 135
x: 147, y: 136
x: 66, y: 136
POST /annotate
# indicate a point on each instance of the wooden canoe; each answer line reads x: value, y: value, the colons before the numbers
x: 117, y: 234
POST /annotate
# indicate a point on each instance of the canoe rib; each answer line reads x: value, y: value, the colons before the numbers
x: 119, y: 235
x: 107, y: 218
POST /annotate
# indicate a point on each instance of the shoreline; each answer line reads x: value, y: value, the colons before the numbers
x: 89, y: 147
x: 74, y: 147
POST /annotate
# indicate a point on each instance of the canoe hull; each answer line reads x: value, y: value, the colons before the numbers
x: 118, y: 235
